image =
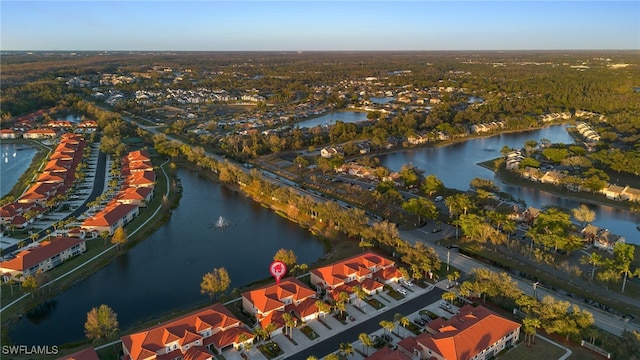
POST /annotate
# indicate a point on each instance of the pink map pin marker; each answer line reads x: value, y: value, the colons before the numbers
x: 278, y: 269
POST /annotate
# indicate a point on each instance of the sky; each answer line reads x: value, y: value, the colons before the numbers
x: 318, y: 25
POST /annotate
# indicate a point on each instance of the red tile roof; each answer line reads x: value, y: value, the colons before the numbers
x: 271, y: 297
x: 145, y: 344
x: 359, y: 265
x: 86, y: 354
x: 466, y: 334
x: 387, y: 354
x: 134, y: 193
x: 47, y: 249
x: 110, y: 215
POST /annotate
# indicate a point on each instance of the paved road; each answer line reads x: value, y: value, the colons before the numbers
x: 603, y: 320
x: 98, y: 188
x: 332, y: 344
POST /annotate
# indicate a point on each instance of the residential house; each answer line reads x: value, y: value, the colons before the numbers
x: 530, y: 215
x: 387, y: 354
x: 473, y: 333
x: 85, y: 354
x: 330, y: 151
x: 8, y: 134
x: 193, y: 336
x: 612, y: 191
x: 270, y: 302
x: 418, y: 139
x: 601, y: 238
x: 113, y: 216
x: 45, y: 256
x: 39, y: 134
x: 136, y: 196
x: 368, y: 270
x: 141, y: 179
x: 513, y: 159
x: 631, y: 194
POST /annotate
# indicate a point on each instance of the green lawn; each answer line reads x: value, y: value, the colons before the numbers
x: 308, y: 332
x: 545, y: 350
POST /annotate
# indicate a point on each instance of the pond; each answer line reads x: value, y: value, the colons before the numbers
x: 163, y: 273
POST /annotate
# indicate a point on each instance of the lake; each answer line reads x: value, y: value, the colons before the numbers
x: 456, y: 165
x: 331, y: 118
x: 16, y: 159
x: 163, y: 273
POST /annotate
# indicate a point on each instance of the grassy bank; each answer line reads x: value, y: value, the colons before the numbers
x: 26, y: 179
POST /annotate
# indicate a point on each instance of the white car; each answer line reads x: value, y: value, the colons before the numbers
x: 439, y: 198
x: 402, y: 291
x: 408, y: 283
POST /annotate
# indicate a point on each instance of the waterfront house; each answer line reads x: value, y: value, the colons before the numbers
x: 8, y: 134
x: 196, y: 335
x: 136, y: 196
x: 330, y: 151
x: 45, y: 256
x: 141, y: 179
x: 368, y: 270
x: 113, y: 216
x: 601, y: 238
x: 39, y: 134
x: 612, y: 191
x: 270, y: 302
x: 473, y: 333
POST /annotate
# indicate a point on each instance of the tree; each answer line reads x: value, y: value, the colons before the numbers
x: 360, y: 294
x: 346, y: 349
x: 404, y: 321
x: 333, y: 356
x: 387, y: 325
x: 215, y: 282
x: 30, y: 284
x: 594, y: 260
x: 421, y: 207
x: 529, y: 326
x: 432, y: 185
x: 341, y: 301
x: 624, y: 255
x: 288, y: 323
x: 366, y: 342
x: 119, y: 237
x: 323, y: 307
x: 104, y: 235
x: 583, y: 214
x: 288, y: 257
x: 449, y: 296
x: 301, y: 163
x: 101, y: 324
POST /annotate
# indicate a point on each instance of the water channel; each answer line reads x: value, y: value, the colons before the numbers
x: 16, y: 159
x: 331, y: 118
x: 455, y: 165
x: 163, y: 273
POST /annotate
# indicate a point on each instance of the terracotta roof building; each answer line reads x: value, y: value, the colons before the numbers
x: 193, y: 336
x: 46, y: 256
x: 474, y: 333
x: 113, y: 216
x: 368, y: 270
x: 269, y: 303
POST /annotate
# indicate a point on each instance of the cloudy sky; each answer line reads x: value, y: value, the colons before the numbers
x: 318, y: 25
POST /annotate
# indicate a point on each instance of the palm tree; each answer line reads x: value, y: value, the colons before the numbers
x: 404, y: 321
x: 529, y: 326
x: 346, y: 349
x: 366, y: 342
x: 594, y: 259
x: 449, y: 296
x: 360, y: 294
x: 387, y: 325
x: 323, y: 307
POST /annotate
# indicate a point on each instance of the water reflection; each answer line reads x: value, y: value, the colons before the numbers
x: 163, y: 273
x: 456, y: 165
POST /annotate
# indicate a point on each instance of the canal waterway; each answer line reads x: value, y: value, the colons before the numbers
x: 456, y: 165
x: 16, y: 159
x: 331, y: 118
x: 163, y: 273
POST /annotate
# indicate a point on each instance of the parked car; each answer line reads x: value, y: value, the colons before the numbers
x: 419, y: 322
x: 387, y: 338
x: 408, y: 283
x: 402, y: 291
x: 425, y: 318
x: 439, y: 198
x: 445, y: 305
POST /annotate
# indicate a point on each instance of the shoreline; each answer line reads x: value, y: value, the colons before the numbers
x: 38, y: 159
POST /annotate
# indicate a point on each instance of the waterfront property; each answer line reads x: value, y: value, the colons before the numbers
x: 8, y: 134
x: 113, y: 216
x: 192, y: 336
x: 601, y: 239
x: 39, y: 134
x: 474, y: 333
x: 45, y: 256
x: 370, y: 271
x: 270, y: 302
